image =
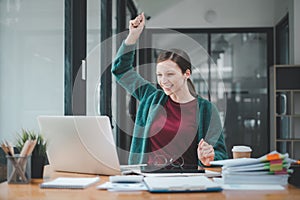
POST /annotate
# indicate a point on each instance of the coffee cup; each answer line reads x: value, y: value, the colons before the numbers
x: 241, y: 151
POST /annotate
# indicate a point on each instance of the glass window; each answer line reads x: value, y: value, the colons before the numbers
x: 31, y: 63
x: 93, y: 59
x: 241, y: 59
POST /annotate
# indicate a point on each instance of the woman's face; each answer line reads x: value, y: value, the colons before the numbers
x: 170, y: 77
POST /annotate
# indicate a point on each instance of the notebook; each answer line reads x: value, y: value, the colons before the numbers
x: 181, y: 184
x: 82, y: 144
x: 70, y: 183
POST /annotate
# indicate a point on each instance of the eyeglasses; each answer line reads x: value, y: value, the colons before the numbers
x: 160, y: 161
x: 175, y: 164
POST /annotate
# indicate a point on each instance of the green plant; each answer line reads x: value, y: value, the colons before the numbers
x: 41, y: 144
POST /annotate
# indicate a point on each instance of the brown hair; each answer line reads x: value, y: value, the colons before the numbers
x: 182, y: 59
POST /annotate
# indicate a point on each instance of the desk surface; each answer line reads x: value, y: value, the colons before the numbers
x: 33, y: 191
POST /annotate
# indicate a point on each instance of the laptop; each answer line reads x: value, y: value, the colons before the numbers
x: 82, y: 144
x: 181, y: 184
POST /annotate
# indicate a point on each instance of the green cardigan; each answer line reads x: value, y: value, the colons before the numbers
x: 151, y: 100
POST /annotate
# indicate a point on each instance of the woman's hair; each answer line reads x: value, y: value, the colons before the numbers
x: 182, y: 59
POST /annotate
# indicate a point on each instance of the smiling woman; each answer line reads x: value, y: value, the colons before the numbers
x: 175, y: 65
x: 172, y: 121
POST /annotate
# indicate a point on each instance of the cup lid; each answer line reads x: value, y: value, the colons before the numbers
x: 241, y: 148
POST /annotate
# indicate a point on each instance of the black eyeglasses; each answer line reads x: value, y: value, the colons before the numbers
x: 176, y: 164
x: 160, y: 161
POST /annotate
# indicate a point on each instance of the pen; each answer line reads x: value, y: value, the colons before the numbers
x: 297, y: 162
x: 7, y: 149
x: 10, y: 148
x: 294, y: 161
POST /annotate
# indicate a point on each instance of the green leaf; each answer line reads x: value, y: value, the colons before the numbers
x: 41, y: 145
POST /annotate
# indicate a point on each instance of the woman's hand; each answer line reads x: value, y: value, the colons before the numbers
x: 206, y: 152
x: 136, y: 27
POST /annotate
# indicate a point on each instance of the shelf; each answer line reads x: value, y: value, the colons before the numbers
x: 288, y: 90
x: 288, y: 140
x: 293, y: 115
x: 285, y: 66
x: 285, y: 109
x: 288, y: 78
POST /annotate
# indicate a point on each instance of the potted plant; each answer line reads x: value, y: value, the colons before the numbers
x: 39, y: 155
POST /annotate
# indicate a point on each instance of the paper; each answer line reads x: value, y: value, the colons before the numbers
x: 122, y: 186
x: 269, y: 158
x: 70, y: 183
x: 252, y: 187
x: 236, y: 162
x: 126, y: 179
x: 171, y: 174
x: 255, y: 179
x: 263, y: 187
x: 270, y: 169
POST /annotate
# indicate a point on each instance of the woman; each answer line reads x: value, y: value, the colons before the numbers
x: 173, y: 121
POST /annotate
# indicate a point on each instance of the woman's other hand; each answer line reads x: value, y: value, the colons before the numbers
x: 206, y: 152
x: 136, y: 27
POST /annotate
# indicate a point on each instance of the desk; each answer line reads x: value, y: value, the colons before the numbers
x: 32, y: 191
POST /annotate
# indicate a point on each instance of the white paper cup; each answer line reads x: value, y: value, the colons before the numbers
x: 241, y: 152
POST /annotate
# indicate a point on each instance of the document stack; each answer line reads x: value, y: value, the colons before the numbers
x: 271, y: 169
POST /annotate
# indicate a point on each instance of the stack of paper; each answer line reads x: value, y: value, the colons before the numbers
x: 272, y: 168
x: 70, y: 182
x: 124, y: 183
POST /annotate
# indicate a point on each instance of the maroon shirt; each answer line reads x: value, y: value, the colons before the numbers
x: 173, y: 133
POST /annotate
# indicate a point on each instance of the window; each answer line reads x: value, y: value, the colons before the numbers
x: 231, y: 70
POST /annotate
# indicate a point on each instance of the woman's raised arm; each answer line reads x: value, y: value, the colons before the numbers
x: 136, y: 27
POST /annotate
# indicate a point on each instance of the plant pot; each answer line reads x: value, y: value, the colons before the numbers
x: 37, y: 166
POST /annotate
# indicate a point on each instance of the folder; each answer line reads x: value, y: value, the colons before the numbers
x: 181, y: 184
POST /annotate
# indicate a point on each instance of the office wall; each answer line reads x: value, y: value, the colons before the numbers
x: 225, y: 13
x: 229, y: 13
x: 31, y: 63
x: 294, y: 8
x: 32, y: 47
x: 219, y: 14
x: 281, y: 8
